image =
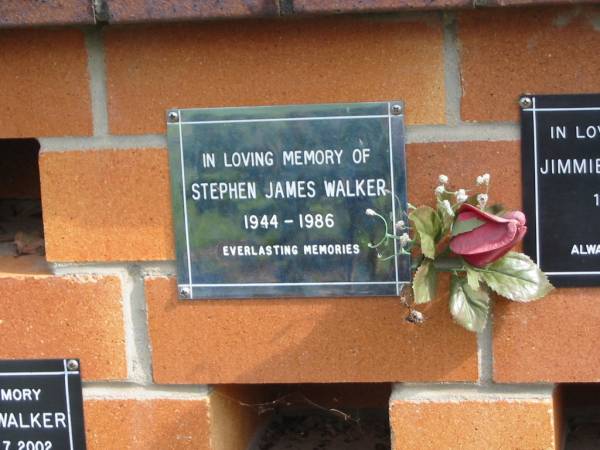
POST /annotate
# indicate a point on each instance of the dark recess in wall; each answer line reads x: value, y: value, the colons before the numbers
x: 581, y: 413
x: 21, y: 226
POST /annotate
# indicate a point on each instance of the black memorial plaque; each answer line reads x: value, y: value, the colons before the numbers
x: 561, y: 185
x: 41, y: 406
x: 271, y: 201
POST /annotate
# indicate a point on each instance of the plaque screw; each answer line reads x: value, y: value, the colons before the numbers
x: 72, y: 364
x: 173, y: 116
x: 396, y: 109
x: 185, y: 292
x: 525, y: 102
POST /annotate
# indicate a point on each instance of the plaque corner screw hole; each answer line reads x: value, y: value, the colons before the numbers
x: 396, y: 109
x: 525, y: 102
x: 185, y: 292
x: 72, y: 364
x: 173, y: 116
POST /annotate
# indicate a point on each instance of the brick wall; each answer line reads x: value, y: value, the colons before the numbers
x: 96, y: 98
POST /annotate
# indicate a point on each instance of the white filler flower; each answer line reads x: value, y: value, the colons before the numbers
x: 461, y: 196
x: 483, y: 179
x: 482, y: 200
x: 404, y: 239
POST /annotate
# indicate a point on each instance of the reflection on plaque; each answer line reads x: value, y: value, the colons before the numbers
x: 271, y: 201
x: 561, y: 185
x: 41, y: 406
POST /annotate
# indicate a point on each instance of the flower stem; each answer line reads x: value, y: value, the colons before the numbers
x: 445, y: 264
x: 441, y: 264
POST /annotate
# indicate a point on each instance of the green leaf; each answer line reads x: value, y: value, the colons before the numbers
x: 469, y: 307
x: 473, y: 277
x: 425, y: 282
x: 428, y: 226
x: 464, y: 226
x: 516, y: 277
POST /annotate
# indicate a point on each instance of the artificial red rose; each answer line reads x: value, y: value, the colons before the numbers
x: 490, y: 241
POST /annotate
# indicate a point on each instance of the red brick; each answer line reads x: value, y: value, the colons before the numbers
x: 528, y: 2
x: 473, y: 425
x: 107, y: 205
x: 272, y: 62
x: 361, y: 6
x: 24, y: 265
x: 163, y: 10
x: 550, y: 340
x: 302, y: 340
x: 45, y: 85
x: 44, y: 316
x: 147, y: 424
x: 505, y: 53
x: 462, y: 162
x: 35, y: 12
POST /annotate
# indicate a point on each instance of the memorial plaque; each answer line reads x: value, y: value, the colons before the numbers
x: 561, y: 185
x: 271, y: 201
x: 41, y: 406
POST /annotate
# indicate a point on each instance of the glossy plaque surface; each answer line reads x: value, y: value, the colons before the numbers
x: 271, y: 201
x: 561, y: 186
x: 41, y: 406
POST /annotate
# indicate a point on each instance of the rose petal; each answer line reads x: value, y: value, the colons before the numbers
x: 516, y: 215
x: 467, y: 215
x: 487, y: 237
x: 490, y: 241
x: 483, y: 259
x: 478, y: 213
